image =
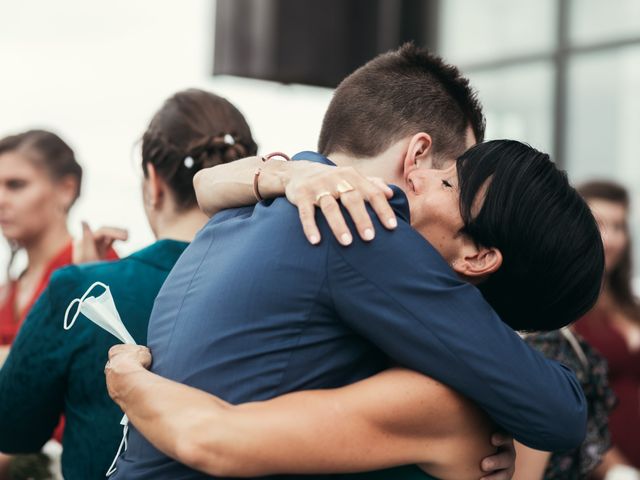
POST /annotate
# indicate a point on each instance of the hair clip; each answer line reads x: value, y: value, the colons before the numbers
x: 228, y: 139
x: 189, y: 161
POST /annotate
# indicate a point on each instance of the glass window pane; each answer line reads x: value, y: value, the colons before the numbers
x: 472, y: 31
x: 604, y: 115
x: 518, y: 103
x: 601, y: 20
x: 604, y: 121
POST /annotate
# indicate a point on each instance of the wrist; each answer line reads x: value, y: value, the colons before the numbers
x: 274, y: 177
x: 123, y: 380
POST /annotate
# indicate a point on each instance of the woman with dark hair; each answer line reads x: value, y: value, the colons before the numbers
x: 613, y: 326
x: 39, y: 183
x: 49, y: 370
x: 40, y: 180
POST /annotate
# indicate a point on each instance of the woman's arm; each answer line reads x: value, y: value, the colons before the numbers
x: 306, y: 185
x: 394, y: 418
x: 530, y: 463
x: 230, y: 185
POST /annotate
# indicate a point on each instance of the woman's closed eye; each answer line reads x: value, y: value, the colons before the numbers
x: 446, y: 184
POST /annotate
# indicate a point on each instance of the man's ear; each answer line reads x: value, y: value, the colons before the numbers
x: 477, y: 263
x: 418, y: 153
x: 155, y: 186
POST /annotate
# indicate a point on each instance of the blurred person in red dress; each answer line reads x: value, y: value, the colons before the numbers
x: 613, y: 326
x: 40, y: 181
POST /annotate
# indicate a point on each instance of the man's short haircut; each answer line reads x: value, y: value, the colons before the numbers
x: 553, y: 258
x: 397, y: 94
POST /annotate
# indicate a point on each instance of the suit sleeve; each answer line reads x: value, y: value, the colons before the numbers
x: 400, y: 294
x: 32, y: 380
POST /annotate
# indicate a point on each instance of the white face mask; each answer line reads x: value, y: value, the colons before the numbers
x: 102, y: 311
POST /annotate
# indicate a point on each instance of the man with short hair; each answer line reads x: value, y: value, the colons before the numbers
x: 252, y: 311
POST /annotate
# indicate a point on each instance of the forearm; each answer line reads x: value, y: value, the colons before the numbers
x: 329, y: 431
x: 231, y: 184
x: 170, y: 415
x: 254, y: 439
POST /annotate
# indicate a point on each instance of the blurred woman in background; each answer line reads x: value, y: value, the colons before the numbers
x: 40, y: 180
x: 39, y: 183
x: 613, y: 326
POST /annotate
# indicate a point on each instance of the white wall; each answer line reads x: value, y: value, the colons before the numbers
x: 95, y: 72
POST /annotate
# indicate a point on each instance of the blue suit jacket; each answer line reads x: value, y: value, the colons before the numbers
x: 252, y: 310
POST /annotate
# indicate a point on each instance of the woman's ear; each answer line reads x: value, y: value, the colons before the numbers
x: 418, y: 154
x: 477, y: 263
x: 154, y: 187
x: 67, y: 191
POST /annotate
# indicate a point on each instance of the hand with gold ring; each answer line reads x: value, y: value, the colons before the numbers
x: 319, y: 196
x: 344, y: 187
x: 312, y: 185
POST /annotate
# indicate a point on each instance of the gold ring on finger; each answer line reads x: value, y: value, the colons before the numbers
x: 344, y: 187
x: 323, y: 194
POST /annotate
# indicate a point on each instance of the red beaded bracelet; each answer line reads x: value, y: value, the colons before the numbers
x: 256, y: 176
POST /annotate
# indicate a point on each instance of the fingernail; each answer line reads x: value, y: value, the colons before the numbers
x: 368, y: 234
x: 345, y: 239
x: 314, y: 239
x: 392, y: 222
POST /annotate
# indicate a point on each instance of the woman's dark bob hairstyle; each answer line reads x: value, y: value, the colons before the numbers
x: 553, y: 258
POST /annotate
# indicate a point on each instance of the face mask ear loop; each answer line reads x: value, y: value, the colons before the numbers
x: 68, y: 325
x: 112, y: 467
x: 124, y: 444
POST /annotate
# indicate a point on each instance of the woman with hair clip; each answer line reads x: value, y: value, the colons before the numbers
x: 50, y: 370
x: 613, y: 328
